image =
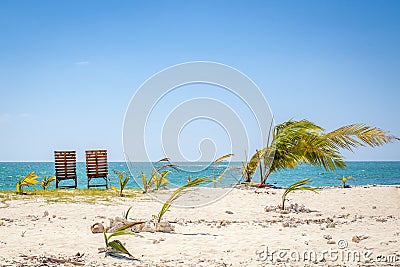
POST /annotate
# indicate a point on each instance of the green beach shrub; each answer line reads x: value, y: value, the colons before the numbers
x: 45, y: 183
x: 158, y: 176
x: 161, y: 180
x: 217, y: 178
x: 116, y: 244
x: 345, y: 179
x: 123, y: 180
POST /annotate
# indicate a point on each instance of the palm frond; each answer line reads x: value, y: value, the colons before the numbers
x: 251, y: 166
x: 297, y: 186
x: 163, y: 179
x: 45, y: 183
x: 31, y: 178
x: 28, y: 180
x: 121, y: 232
x: 172, y: 166
x: 177, y: 193
x: 144, y: 181
x: 126, y: 214
x: 222, y: 158
x: 163, y: 160
x: 118, y: 246
x: 129, y: 225
x: 346, y: 136
x: 318, y: 151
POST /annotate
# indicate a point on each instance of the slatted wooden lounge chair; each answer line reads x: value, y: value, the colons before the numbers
x: 97, y: 166
x: 65, y: 165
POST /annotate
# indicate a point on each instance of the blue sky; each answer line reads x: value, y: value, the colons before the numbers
x: 68, y: 69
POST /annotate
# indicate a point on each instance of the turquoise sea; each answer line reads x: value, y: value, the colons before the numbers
x: 385, y: 173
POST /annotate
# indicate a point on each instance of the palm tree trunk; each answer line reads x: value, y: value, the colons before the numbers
x: 265, y: 177
x: 259, y: 159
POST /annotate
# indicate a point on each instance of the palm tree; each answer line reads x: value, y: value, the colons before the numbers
x: 344, y: 180
x: 29, y: 180
x: 297, y: 142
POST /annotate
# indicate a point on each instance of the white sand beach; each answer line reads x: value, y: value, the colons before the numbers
x: 234, y: 231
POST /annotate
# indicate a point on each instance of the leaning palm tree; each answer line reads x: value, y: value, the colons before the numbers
x: 297, y: 142
x: 251, y: 166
